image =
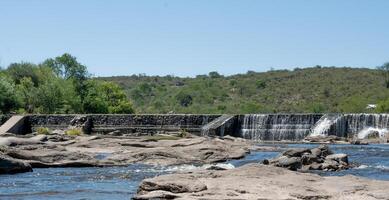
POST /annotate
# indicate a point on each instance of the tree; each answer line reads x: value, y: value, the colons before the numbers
x: 214, y: 74
x: 8, y: 98
x: 106, y: 97
x: 28, y: 94
x: 384, y: 70
x: 383, y: 106
x: 50, y: 96
x: 184, y: 99
x: 17, y: 71
x: 67, y: 67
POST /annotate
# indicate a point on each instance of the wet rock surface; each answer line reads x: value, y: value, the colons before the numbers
x: 319, y: 158
x: 58, y: 150
x: 256, y: 181
x: 10, y: 165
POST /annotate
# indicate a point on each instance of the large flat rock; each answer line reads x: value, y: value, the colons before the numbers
x: 255, y: 181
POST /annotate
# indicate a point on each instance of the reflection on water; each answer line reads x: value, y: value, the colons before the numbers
x: 122, y: 182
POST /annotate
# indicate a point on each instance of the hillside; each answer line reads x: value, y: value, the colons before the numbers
x: 318, y: 89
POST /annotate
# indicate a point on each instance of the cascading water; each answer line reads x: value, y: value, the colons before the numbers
x: 358, y: 122
x: 277, y: 127
x: 329, y: 124
x: 351, y: 125
x: 373, y: 133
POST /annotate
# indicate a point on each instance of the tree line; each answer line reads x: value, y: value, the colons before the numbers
x: 58, y: 85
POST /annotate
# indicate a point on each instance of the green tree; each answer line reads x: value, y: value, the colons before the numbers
x: 384, y: 70
x: 28, y: 94
x: 383, y: 106
x: 17, y: 71
x: 67, y: 67
x: 214, y: 74
x: 106, y: 97
x: 8, y: 98
x: 50, y: 96
x: 184, y: 99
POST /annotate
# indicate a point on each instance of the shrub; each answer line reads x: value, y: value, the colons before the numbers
x: 43, y: 131
x: 183, y: 133
x: 73, y: 132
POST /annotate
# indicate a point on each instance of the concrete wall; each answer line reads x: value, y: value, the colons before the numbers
x: 126, y: 123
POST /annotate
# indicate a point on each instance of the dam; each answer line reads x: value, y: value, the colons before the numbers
x: 259, y: 127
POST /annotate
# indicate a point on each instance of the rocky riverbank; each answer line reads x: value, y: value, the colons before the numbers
x: 19, y: 154
x: 257, y: 181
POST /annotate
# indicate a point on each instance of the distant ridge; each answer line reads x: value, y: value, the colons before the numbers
x: 317, y: 89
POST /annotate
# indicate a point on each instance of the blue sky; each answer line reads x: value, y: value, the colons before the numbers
x: 186, y: 38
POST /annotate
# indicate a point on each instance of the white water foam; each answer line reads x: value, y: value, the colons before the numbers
x: 321, y: 128
x: 366, y: 132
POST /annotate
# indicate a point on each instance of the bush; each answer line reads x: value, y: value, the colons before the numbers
x: 73, y: 132
x: 43, y: 131
x: 183, y: 133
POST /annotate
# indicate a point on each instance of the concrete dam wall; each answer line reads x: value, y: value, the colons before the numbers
x: 261, y: 127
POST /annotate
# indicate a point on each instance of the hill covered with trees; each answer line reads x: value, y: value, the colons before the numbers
x: 316, y: 89
x: 63, y: 85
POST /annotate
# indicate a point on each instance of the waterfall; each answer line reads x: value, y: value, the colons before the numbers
x: 360, y: 124
x: 329, y: 124
x: 277, y: 127
x: 351, y: 125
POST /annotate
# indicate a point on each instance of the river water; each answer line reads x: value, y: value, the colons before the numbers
x: 122, y: 182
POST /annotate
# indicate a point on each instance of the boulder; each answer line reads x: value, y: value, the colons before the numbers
x: 341, y: 157
x: 297, y: 152
x: 330, y: 165
x: 173, y: 186
x: 319, y: 158
x: 9, y: 165
x: 292, y: 163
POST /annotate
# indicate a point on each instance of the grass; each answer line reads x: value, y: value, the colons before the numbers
x: 73, y: 132
x: 43, y: 131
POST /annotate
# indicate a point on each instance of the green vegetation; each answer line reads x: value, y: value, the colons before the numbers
x: 63, y: 85
x: 43, y: 131
x: 310, y: 90
x: 73, y: 132
x: 58, y: 85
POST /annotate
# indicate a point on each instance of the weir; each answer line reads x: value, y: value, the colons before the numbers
x: 259, y: 127
x: 276, y: 127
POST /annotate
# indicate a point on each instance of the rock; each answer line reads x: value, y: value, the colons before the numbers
x: 14, y: 141
x: 315, y: 166
x: 174, y: 186
x: 256, y: 181
x: 266, y: 162
x: 319, y: 158
x: 325, y: 150
x: 292, y: 163
x: 325, y: 139
x: 9, y: 165
x: 297, y: 152
x: 115, y: 133
x: 84, y: 151
x: 157, y: 195
x: 341, y: 157
x: 359, y: 142
x: 316, y: 152
x: 330, y: 165
x: 308, y: 159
